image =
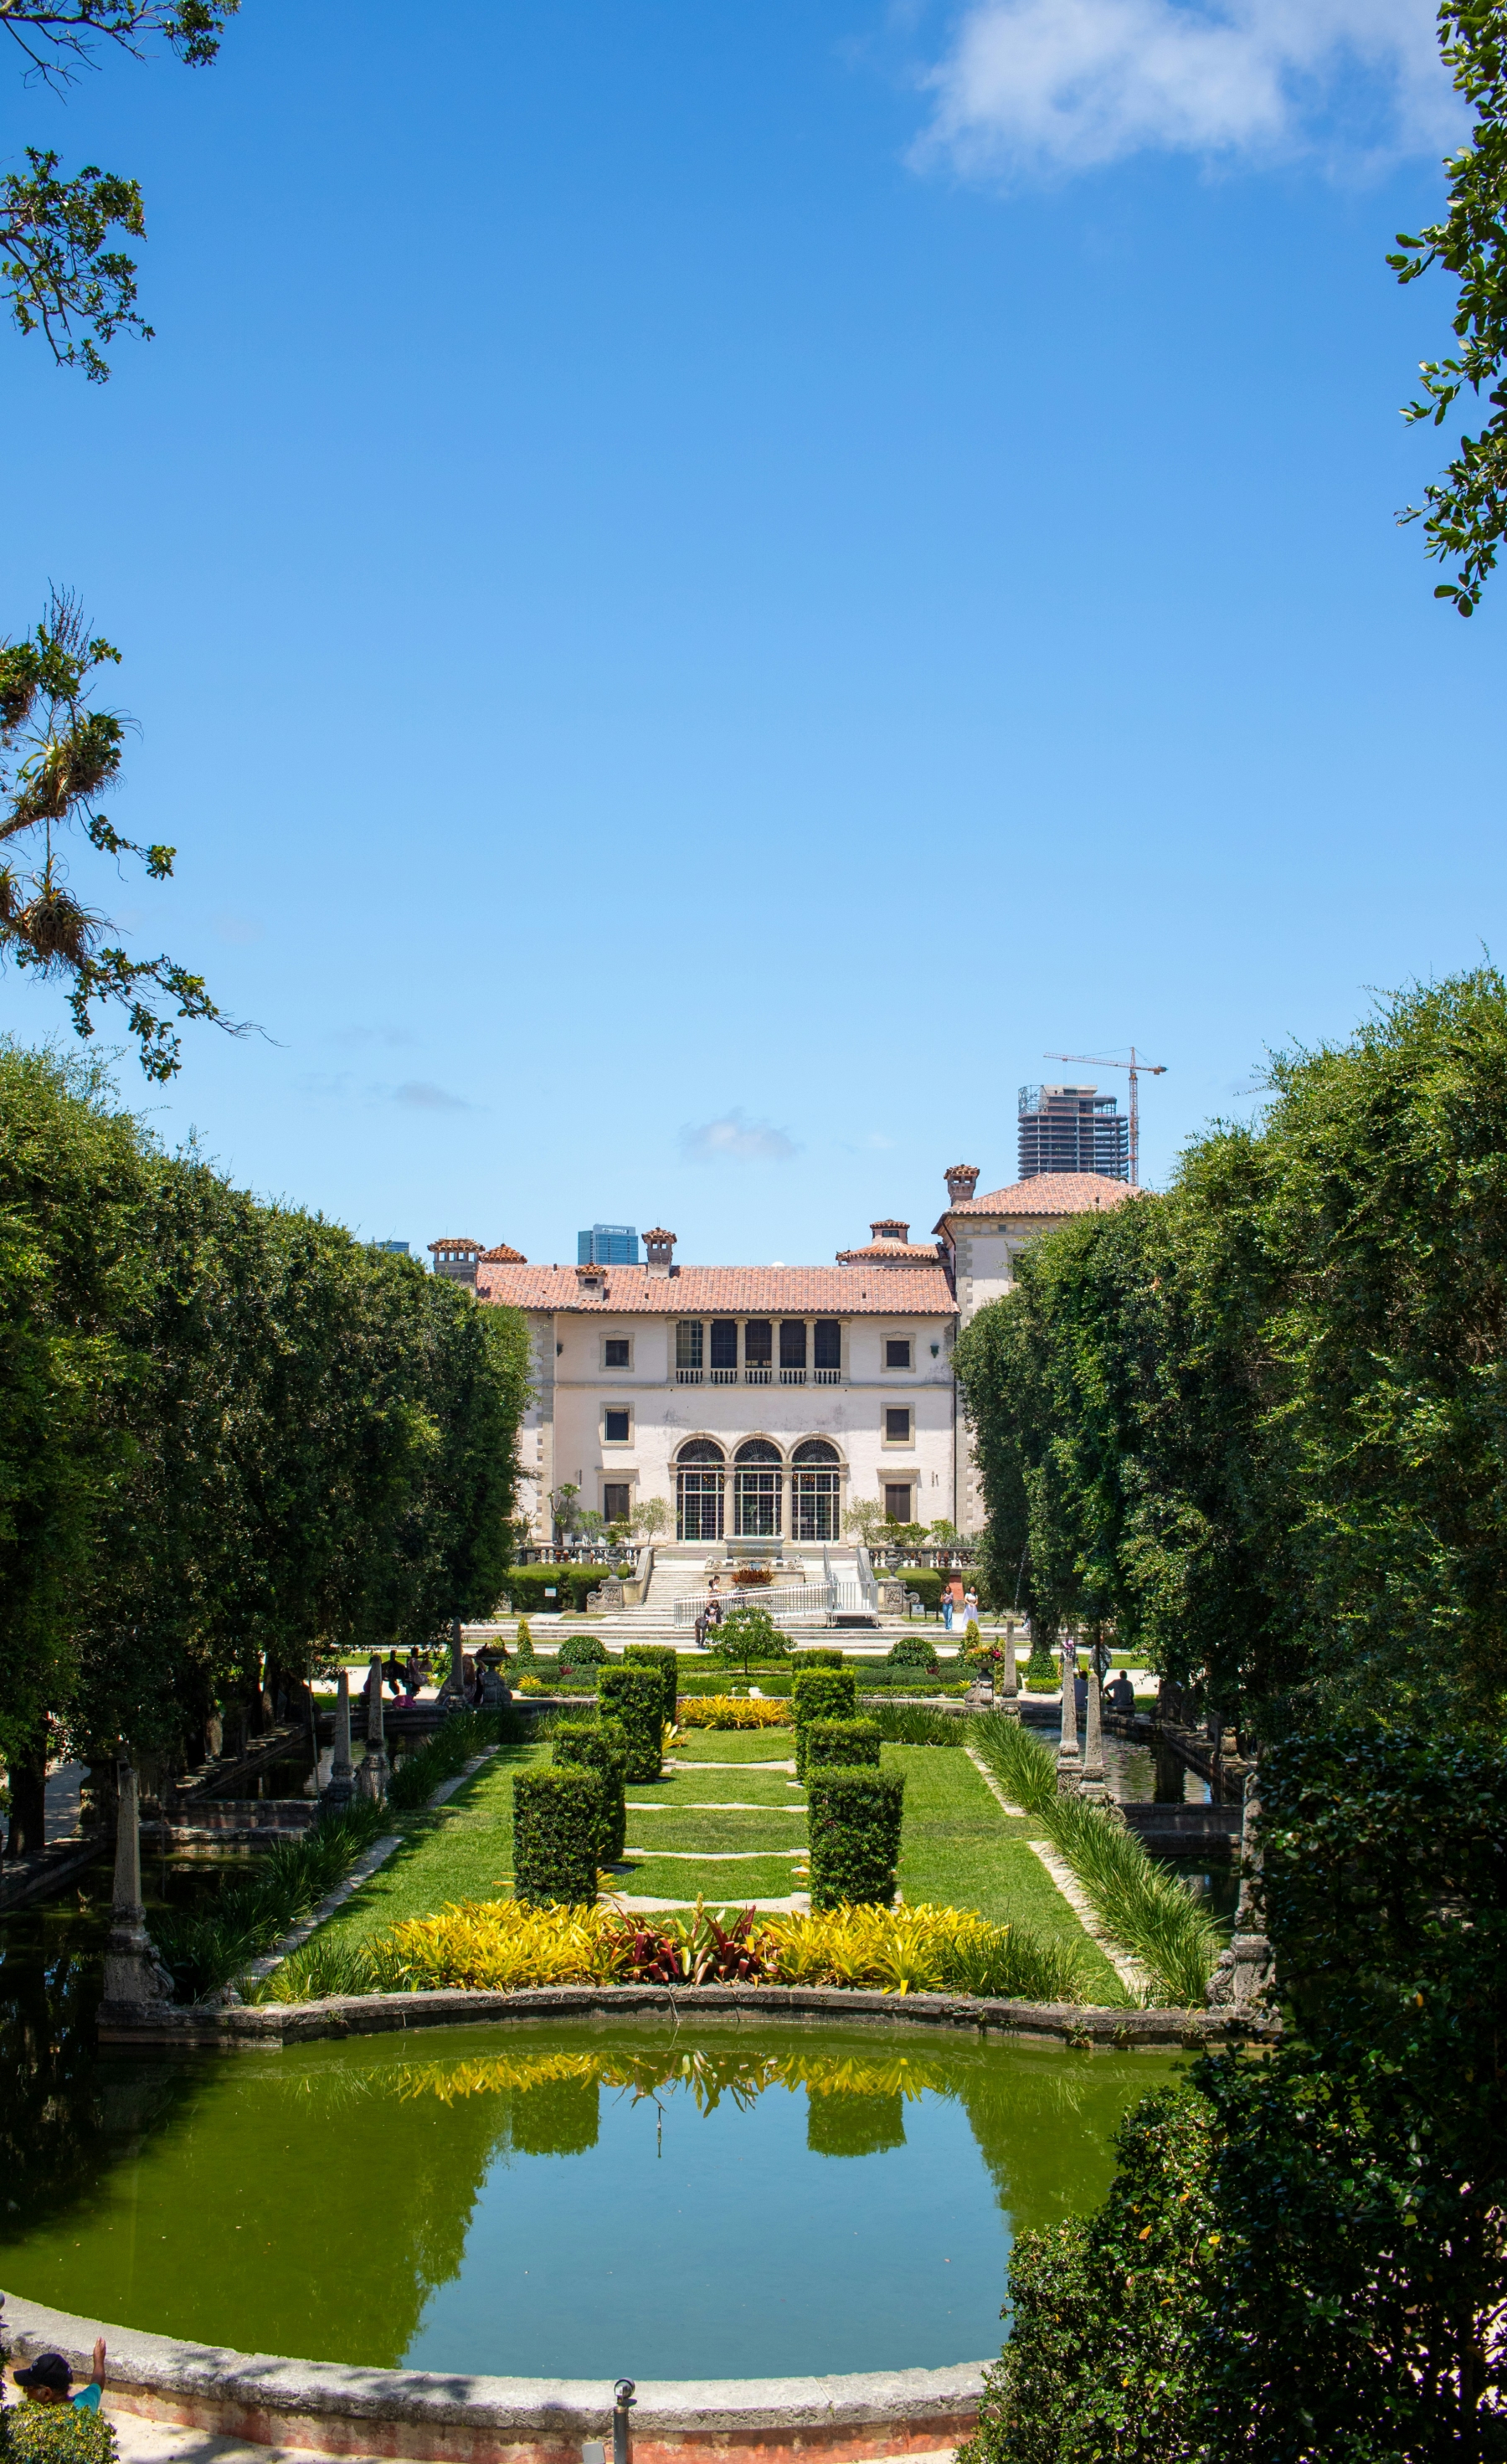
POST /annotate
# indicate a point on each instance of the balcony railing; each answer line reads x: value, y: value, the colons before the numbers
x: 793, y: 1377
x: 757, y: 1377
x: 687, y: 1377
x: 723, y: 1376
x: 826, y: 1377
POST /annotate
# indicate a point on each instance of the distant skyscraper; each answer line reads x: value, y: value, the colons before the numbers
x: 1073, y: 1129
x: 394, y: 1248
x: 607, y: 1245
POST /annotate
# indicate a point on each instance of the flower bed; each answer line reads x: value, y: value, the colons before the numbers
x: 732, y: 1711
x: 500, y: 1946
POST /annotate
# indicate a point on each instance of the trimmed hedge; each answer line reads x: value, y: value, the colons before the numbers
x: 913, y: 1651
x: 927, y: 1584
x: 854, y: 1823
x: 664, y: 1657
x: 598, y: 1746
x: 818, y: 1656
x: 525, y: 1586
x: 636, y: 1696
x: 557, y: 1821
x: 821, y: 1694
x: 584, y: 1651
x: 843, y: 1743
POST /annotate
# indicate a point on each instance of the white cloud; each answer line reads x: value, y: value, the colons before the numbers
x: 1033, y: 85
x: 735, y: 1139
x: 421, y: 1095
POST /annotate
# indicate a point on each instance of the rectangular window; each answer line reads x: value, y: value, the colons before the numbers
x: 699, y: 1512
x: 826, y: 1344
x: 896, y: 1500
x: 688, y: 1343
x: 724, y: 1343
x: 758, y: 1343
x: 897, y: 1425
x: 897, y: 1351
x: 792, y: 1343
x: 616, y: 1500
x: 615, y: 1352
x: 615, y: 1427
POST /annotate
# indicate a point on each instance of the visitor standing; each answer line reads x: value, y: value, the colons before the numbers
x: 947, y: 1609
x: 970, y: 1605
x: 48, y: 2380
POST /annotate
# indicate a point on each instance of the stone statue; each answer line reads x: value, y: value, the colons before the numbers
x: 133, y: 1972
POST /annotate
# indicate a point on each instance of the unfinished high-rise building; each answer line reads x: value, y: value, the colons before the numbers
x: 1073, y: 1129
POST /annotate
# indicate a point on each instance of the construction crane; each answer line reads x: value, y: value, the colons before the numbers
x: 1135, y: 1066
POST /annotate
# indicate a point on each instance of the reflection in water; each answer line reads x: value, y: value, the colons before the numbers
x: 733, y: 2199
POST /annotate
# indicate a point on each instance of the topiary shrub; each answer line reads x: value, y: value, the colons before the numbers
x: 854, y: 1823
x: 525, y: 1641
x: 557, y: 1823
x: 913, y: 1651
x: 599, y: 1746
x: 584, y: 1651
x: 527, y: 1587
x: 819, y: 1655
x: 821, y: 1694
x: 636, y: 1696
x: 843, y: 1743
x: 664, y: 1657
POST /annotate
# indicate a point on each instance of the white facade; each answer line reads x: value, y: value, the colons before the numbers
x: 760, y: 1402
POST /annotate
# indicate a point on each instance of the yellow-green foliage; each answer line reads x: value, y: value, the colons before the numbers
x: 922, y: 1950
x: 499, y: 1947
x: 732, y: 1711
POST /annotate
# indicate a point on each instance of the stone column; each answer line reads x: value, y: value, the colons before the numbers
x: 1092, y: 1783
x: 1067, y: 1762
x: 341, y: 1784
x: 457, y: 1676
x: 1243, y: 1970
x: 371, y: 1780
x: 132, y: 1970
x: 1008, y: 1688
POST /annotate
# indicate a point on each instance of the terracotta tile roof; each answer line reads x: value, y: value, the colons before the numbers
x: 891, y: 1253
x: 447, y: 1248
x: 1050, y: 1193
x: 729, y: 1291
x: 503, y: 1256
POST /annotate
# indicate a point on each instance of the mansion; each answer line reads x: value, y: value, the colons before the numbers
x: 759, y: 1402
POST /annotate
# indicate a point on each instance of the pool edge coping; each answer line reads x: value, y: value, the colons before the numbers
x: 456, y: 2414
x: 270, y: 2026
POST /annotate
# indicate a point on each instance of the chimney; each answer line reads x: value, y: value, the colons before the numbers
x: 658, y: 1248
x: 962, y: 1179
x: 456, y: 1260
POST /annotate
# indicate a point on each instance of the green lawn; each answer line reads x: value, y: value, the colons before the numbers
x: 730, y: 1793
x: 959, y: 1848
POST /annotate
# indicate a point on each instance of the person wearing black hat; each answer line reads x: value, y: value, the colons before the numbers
x: 48, y: 2380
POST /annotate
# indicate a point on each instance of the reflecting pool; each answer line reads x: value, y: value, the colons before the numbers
x: 719, y: 2200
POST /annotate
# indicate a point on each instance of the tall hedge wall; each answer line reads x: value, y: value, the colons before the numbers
x: 525, y: 1586
x: 843, y: 1743
x: 821, y: 1694
x: 557, y: 1819
x: 599, y: 1746
x: 854, y: 1823
x: 664, y: 1657
x: 636, y: 1696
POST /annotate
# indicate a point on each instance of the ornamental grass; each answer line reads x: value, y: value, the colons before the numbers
x: 732, y: 1711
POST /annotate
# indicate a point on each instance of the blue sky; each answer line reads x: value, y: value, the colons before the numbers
x: 704, y: 584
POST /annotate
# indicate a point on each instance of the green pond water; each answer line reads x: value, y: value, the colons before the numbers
x: 721, y: 2200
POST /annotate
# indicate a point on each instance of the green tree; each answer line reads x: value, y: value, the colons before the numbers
x: 73, y: 1177
x: 57, y: 269
x: 747, y: 1634
x: 1464, y: 514
x: 478, y: 1362
x: 58, y: 754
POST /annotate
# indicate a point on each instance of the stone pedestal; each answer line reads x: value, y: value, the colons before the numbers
x: 340, y: 1788
x: 891, y: 1596
x: 1091, y: 1781
x: 371, y: 1780
x: 1243, y: 1970
x: 133, y: 1972
x: 1068, y: 1767
x: 1007, y: 1685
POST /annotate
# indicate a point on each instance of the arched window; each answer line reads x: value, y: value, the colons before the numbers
x: 817, y: 1490
x: 698, y: 1491
x: 755, y: 1490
